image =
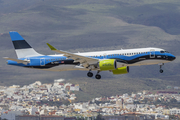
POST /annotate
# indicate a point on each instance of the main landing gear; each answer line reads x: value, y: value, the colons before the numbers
x: 98, y: 76
x: 90, y: 74
x: 161, y: 70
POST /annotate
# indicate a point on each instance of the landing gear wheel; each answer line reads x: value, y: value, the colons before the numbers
x: 98, y: 76
x: 89, y: 74
x: 161, y: 71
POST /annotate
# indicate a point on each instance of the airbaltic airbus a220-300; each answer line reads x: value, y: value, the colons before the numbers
x: 115, y: 61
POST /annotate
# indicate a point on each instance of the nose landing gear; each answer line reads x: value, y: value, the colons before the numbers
x: 161, y: 70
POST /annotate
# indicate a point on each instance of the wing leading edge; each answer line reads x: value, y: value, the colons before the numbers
x: 86, y: 61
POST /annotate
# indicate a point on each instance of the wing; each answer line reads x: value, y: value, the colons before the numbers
x: 17, y: 60
x: 86, y: 61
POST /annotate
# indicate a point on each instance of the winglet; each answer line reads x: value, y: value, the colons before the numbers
x: 51, y: 47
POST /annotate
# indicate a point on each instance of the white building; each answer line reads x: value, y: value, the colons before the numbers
x: 74, y: 87
x: 160, y: 116
x: 174, y: 111
x: 10, y: 115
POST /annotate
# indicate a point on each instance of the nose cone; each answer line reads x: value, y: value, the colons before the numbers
x: 172, y: 57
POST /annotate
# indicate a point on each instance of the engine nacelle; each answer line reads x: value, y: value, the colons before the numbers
x: 109, y: 64
x: 121, y: 70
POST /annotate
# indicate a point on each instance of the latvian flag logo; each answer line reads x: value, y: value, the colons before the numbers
x: 62, y: 61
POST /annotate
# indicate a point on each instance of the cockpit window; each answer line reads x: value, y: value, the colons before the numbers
x: 162, y: 51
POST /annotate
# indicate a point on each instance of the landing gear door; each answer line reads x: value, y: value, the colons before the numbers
x: 152, y: 53
x: 42, y: 62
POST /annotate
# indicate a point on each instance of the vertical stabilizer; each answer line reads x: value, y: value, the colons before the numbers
x: 22, y: 48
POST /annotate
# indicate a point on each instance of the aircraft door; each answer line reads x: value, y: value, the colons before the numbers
x: 152, y: 53
x: 42, y: 62
x: 105, y: 56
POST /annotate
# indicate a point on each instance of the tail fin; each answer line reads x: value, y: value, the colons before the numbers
x: 22, y: 48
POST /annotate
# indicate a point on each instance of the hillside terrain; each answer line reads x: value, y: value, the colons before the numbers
x: 81, y: 26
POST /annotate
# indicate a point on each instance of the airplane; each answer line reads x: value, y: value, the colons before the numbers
x: 115, y: 61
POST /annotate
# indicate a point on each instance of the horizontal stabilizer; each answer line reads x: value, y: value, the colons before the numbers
x: 17, y: 60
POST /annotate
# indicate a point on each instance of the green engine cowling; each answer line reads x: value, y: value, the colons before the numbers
x: 109, y: 64
x: 121, y: 70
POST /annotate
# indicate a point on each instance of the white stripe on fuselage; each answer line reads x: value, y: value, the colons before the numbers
x: 123, y: 51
